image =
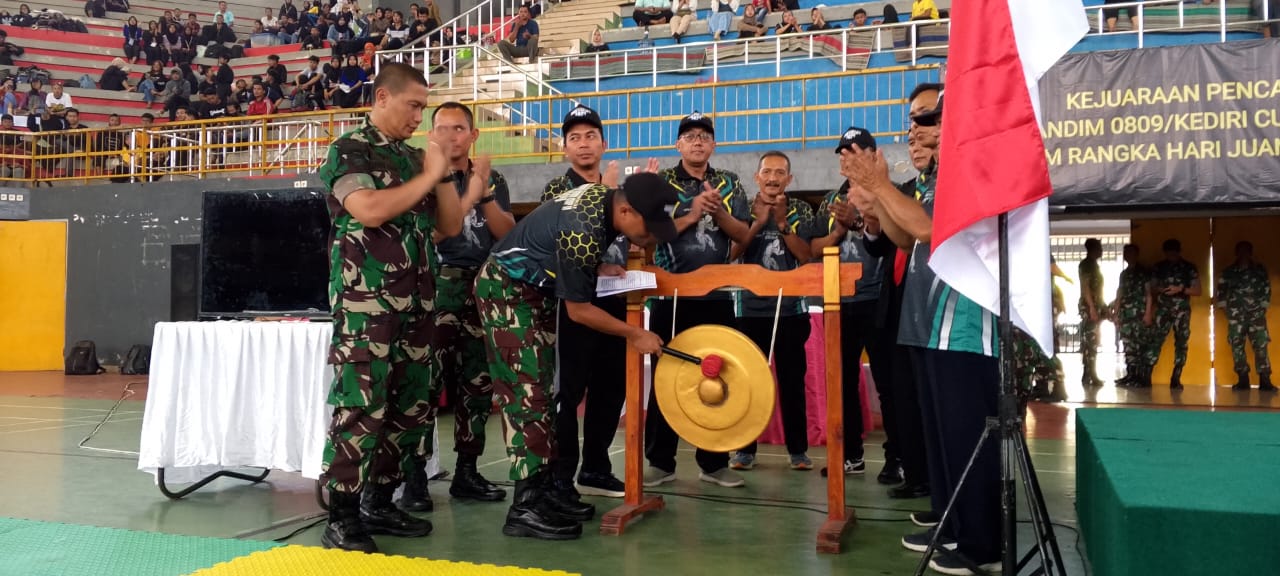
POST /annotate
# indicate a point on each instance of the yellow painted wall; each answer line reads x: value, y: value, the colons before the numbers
x: 1194, y: 233
x: 1226, y: 233
x: 33, y: 288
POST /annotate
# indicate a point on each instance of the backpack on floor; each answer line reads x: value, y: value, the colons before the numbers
x: 137, y: 361
x: 83, y: 359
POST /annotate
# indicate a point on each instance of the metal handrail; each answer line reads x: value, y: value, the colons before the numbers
x: 497, y: 10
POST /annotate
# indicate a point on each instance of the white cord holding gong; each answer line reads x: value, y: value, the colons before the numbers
x: 773, y: 333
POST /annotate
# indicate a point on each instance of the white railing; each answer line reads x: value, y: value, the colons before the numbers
x: 700, y: 56
x: 495, y: 13
x: 447, y: 66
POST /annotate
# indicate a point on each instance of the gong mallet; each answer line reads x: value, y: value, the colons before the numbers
x: 710, y: 365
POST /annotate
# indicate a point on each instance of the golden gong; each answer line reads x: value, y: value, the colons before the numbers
x: 722, y: 412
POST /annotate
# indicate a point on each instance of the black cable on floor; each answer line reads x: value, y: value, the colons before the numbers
x: 125, y: 394
x: 319, y: 519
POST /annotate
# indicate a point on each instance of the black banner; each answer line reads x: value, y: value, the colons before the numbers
x: 1184, y: 124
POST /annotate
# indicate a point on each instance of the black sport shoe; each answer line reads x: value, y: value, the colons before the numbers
x: 919, y: 542
x: 925, y: 519
x: 851, y: 468
x: 909, y: 491
x: 953, y: 564
x: 601, y: 484
x: 891, y: 473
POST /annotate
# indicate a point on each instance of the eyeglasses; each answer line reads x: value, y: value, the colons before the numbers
x: 697, y: 137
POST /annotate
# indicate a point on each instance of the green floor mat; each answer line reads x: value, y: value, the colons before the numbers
x: 34, y: 548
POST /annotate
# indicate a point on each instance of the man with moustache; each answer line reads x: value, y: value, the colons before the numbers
x: 781, y: 228
x: 711, y: 214
x: 955, y: 346
x: 604, y: 374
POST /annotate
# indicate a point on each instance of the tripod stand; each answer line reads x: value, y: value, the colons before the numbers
x: 1013, y: 454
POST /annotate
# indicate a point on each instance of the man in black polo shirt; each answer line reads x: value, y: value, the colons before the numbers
x: 712, y: 213
x: 605, y: 373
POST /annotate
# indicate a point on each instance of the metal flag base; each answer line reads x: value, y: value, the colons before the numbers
x: 1013, y: 453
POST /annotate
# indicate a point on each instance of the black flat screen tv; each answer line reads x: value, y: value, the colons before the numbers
x: 264, y: 253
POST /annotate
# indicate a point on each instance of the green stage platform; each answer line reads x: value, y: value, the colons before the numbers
x: 1167, y: 493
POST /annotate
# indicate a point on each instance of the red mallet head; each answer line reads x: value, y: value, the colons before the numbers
x: 711, y: 366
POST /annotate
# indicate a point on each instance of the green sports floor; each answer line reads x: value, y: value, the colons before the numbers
x: 768, y: 527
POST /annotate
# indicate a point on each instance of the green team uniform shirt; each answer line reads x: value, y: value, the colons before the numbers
x: 383, y: 269
x: 617, y: 252
x: 472, y: 247
x: 559, y: 246
x: 703, y: 243
x: 852, y: 249
x: 769, y: 250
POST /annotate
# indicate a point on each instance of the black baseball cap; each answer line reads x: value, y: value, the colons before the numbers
x: 855, y: 136
x: 653, y: 198
x: 696, y: 120
x: 930, y: 117
x: 581, y: 115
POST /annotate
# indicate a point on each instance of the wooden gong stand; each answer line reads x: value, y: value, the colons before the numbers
x: 829, y: 280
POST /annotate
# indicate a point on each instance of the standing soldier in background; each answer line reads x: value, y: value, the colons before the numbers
x: 385, y: 204
x: 1134, y: 311
x: 1176, y: 281
x: 458, y: 342
x: 1245, y: 291
x: 1092, y: 310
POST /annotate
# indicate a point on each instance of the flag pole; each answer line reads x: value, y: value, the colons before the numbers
x: 1007, y: 408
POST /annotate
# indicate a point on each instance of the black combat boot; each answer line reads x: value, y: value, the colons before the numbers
x: 530, y: 517
x: 564, y: 499
x: 469, y: 484
x: 1128, y: 378
x: 415, y: 497
x: 1264, y: 383
x: 1175, y: 381
x: 1242, y: 381
x: 380, y: 516
x: 345, y: 531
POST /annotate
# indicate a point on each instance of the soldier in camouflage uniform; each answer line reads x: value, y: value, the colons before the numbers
x: 458, y: 342
x: 603, y: 380
x: 1092, y: 310
x: 555, y: 253
x: 1134, y: 312
x: 1176, y: 282
x: 1244, y: 289
x: 381, y: 285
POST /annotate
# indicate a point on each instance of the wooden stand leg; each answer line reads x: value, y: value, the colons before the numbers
x: 635, y: 503
x: 839, y: 520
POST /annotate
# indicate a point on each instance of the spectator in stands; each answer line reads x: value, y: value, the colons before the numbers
x: 597, y: 42
x: 24, y: 17
x: 288, y: 10
x: 1272, y: 8
x: 788, y: 25
x: 209, y: 79
x: 14, y: 146
x: 818, y: 22
x: 366, y: 58
x: 269, y: 22
x: 750, y: 26
x: 192, y: 28
x: 308, y: 93
x: 176, y: 94
x: 210, y: 107
x: 260, y: 105
x: 313, y: 40
x: 178, y: 46
x: 350, y: 86
x: 153, y: 44
x: 132, y: 40
x: 227, y: 17
x: 275, y: 92
x: 8, y: 96
x: 430, y: 15
x: 153, y: 83
x: 721, y: 18
x: 74, y: 143
x: 684, y: 12
x: 116, y: 77
x: 340, y: 37
x: 924, y: 10
x: 8, y: 50
x: 107, y: 145
x: 761, y: 10
x: 240, y: 92
x: 34, y: 106
x: 649, y: 12
x: 523, y: 39
x: 311, y: 14
x: 1111, y: 14
x: 535, y: 7
x: 168, y: 19
x: 95, y: 8
x: 290, y: 30
x: 225, y: 76
x: 6, y: 19
x: 397, y: 32
x: 118, y: 5
x: 218, y: 33
x: 259, y: 32
x: 58, y: 102
x: 377, y: 27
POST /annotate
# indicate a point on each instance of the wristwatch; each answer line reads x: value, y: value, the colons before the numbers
x: 486, y: 199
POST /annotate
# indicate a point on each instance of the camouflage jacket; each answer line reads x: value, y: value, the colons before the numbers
x: 1244, y: 289
x: 1131, y: 296
x: 1167, y: 274
x: 389, y: 268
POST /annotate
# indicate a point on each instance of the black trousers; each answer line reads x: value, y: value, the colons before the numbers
x: 958, y: 392
x: 595, y: 365
x: 660, y: 440
x: 858, y: 333
x: 791, y: 364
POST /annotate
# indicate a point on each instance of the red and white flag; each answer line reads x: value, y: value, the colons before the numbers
x: 992, y: 157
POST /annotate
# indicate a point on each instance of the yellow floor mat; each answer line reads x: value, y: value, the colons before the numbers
x: 314, y: 561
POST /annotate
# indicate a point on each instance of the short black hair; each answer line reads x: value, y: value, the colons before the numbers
x: 1171, y: 245
x: 859, y: 11
x: 314, y: 58
x: 1093, y: 244
x: 924, y: 87
x: 1244, y: 245
x: 395, y: 76
x: 8, y: 117
x: 1131, y: 246
x: 774, y: 154
x: 273, y: 58
x: 148, y: 116
x: 113, y: 115
x: 451, y: 105
x: 70, y: 110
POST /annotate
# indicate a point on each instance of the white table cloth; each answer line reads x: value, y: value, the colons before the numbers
x: 238, y: 394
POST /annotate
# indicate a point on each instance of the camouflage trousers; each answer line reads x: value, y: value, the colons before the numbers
x: 1140, y: 349
x: 520, y: 335
x: 1254, y: 327
x: 1031, y: 365
x: 1178, y: 321
x: 458, y: 345
x: 1088, y: 341
x: 382, y: 393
